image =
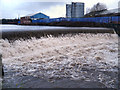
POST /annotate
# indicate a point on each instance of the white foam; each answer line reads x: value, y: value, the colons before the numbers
x: 61, y: 57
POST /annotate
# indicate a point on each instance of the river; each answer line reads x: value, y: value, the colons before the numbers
x: 10, y: 28
x: 22, y: 31
x: 69, y: 61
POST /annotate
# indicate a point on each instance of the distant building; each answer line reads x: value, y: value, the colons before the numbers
x: 102, y: 13
x: 25, y: 20
x: 28, y: 19
x: 75, y: 10
x: 38, y: 16
x: 68, y: 10
x: 119, y: 4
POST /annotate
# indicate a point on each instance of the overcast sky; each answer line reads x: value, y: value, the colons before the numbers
x: 52, y: 8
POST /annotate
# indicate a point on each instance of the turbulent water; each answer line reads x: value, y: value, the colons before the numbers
x: 73, y: 56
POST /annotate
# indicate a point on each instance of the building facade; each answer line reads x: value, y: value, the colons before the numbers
x: 104, y: 13
x: 28, y: 19
x: 25, y: 20
x: 75, y: 10
x: 68, y: 10
x: 119, y: 4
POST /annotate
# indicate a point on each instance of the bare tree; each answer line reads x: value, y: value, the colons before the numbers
x: 98, y: 7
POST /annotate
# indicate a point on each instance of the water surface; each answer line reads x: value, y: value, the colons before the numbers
x: 10, y: 28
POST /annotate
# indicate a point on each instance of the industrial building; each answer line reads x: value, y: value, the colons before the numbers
x: 68, y: 10
x: 119, y: 4
x: 75, y: 10
x: 38, y: 16
x: 103, y: 13
x: 28, y: 19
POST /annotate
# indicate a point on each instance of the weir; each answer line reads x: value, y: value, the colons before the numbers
x: 15, y: 34
x: 116, y: 28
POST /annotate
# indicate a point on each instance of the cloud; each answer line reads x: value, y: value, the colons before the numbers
x: 56, y: 11
x: 37, y: 5
x: 52, y: 8
x: 26, y: 8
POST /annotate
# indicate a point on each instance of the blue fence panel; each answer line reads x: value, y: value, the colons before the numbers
x: 115, y: 19
x: 68, y: 19
x: 118, y: 18
x: 18, y: 22
x: 91, y: 19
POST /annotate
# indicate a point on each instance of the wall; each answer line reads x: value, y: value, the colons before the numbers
x: 119, y: 5
x: 77, y: 10
x: 68, y: 10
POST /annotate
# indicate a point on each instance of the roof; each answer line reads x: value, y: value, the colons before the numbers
x: 111, y: 11
x: 104, y: 12
x: 36, y: 14
x: 77, y: 3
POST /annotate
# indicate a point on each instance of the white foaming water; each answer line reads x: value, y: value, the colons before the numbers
x: 62, y: 57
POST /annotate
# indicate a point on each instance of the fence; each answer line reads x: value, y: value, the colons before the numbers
x: 111, y: 19
x: 115, y: 19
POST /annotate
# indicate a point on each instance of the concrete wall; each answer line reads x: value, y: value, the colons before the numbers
x: 75, y: 10
x: 119, y: 4
x: 68, y: 10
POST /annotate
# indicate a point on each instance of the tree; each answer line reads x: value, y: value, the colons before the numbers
x: 98, y: 7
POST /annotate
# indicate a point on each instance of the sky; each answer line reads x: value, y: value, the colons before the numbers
x: 52, y: 8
